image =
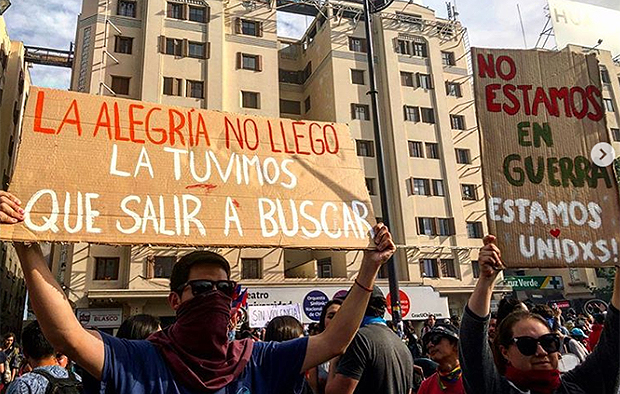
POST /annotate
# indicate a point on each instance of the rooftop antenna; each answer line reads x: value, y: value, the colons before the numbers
x: 522, y: 28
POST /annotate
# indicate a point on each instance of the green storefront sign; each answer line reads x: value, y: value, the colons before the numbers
x: 534, y: 282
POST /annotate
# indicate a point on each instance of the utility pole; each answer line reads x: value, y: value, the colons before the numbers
x: 392, y: 267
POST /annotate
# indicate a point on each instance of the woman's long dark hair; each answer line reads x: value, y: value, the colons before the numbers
x: 138, y: 327
x: 505, y: 335
x: 283, y: 328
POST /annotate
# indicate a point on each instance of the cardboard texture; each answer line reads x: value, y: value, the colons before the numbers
x: 116, y: 171
x: 540, y: 114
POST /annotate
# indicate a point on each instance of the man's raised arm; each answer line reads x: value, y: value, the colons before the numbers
x: 50, y: 303
x: 335, y: 339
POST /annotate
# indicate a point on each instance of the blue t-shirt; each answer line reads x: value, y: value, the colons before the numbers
x: 137, y: 367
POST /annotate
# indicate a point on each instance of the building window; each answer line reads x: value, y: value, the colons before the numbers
x: 250, y: 100
x: 324, y: 268
x: 469, y: 192
x: 474, y: 229
x: 106, y: 268
x: 457, y: 122
x: 307, y: 72
x: 172, y: 86
x: 406, y: 78
x: 370, y: 185
x: 307, y: 104
x: 249, y: 28
x: 420, y: 49
x: 605, y: 76
x: 438, y: 189
x: 453, y: 89
x: 290, y: 107
x: 248, y: 62
x: 412, y: 114
x: 462, y: 156
x: 421, y: 187
x: 251, y: 269
x: 428, y: 268
x: 197, y: 50
x: 195, y: 89
x: 357, y: 77
x: 365, y: 148
x: 175, y: 10
x: 609, y: 105
x: 424, y: 81
x: 432, y: 150
x: 447, y: 268
x: 426, y: 226
x: 120, y: 85
x: 174, y: 47
x: 615, y: 134
x: 403, y: 47
x: 197, y: 14
x: 446, y: 227
x: 163, y: 266
x: 416, y: 149
x: 127, y: 8
x: 360, y: 112
x: 123, y: 44
x: 428, y: 115
x: 475, y: 268
x: 357, y: 44
x: 447, y: 58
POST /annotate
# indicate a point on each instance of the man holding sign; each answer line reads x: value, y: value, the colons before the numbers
x: 192, y: 355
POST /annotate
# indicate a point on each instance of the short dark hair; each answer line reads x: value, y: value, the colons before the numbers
x: 138, y: 327
x: 376, y: 307
x: 283, y: 328
x: 180, y: 271
x: 34, y: 343
x: 506, y: 306
x: 335, y: 301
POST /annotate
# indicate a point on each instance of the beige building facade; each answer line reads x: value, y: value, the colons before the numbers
x: 14, y: 84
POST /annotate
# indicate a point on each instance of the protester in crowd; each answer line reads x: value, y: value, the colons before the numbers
x: 13, y: 356
x: 317, y: 376
x: 283, y: 328
x: 492, y: 326
x: 138, y: 327
x: 4, y: 367
x: 193, y: 354
x: 528, y: 359
x: 506, y: 306
x: 578, y: 335
x: 45, y: 369
x: 428, y: 324
x: 442, y: 345
x: 597, y: 329
x: 377, y: 361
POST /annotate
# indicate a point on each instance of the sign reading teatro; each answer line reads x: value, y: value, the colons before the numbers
x: 108, y: 170
x: 540, y: 115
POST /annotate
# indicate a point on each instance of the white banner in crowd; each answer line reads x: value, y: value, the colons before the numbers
x: 260, y: 315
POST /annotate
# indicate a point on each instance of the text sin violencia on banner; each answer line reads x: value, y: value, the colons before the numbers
x: 542, y: 174
x: 248, y: 155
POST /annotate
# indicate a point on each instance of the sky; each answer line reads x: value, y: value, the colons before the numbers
x: 52, y: 23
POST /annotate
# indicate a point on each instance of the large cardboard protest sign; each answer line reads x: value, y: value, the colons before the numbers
x: 107, y: 170
x: 540, y: 114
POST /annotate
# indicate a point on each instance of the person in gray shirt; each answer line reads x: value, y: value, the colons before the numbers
x: 527, y: 352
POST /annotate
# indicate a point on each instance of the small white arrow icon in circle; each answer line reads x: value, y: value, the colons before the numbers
x: 603, y: 154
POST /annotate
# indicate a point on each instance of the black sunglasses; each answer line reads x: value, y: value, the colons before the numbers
x: 434, y: 339
x: 201, y: 286
x: 528, y: 345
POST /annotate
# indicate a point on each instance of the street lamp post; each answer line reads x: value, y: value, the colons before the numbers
x: 392, y: 267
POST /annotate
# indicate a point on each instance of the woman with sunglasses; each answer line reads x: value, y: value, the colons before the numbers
x: 527, y: 352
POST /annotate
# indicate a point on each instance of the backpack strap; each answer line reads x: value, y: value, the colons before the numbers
x: 51, y: 379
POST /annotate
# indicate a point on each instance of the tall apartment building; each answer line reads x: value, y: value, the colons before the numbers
x: 14, y: 84
x: 227, y: 56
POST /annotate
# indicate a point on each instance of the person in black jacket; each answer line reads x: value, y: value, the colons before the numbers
x: 528, y: 349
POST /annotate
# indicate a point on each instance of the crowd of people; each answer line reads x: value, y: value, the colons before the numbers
x: 519, y: 348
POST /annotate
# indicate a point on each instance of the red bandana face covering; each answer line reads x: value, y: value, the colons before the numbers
x: 539, y: 381
x: 196, y: 347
